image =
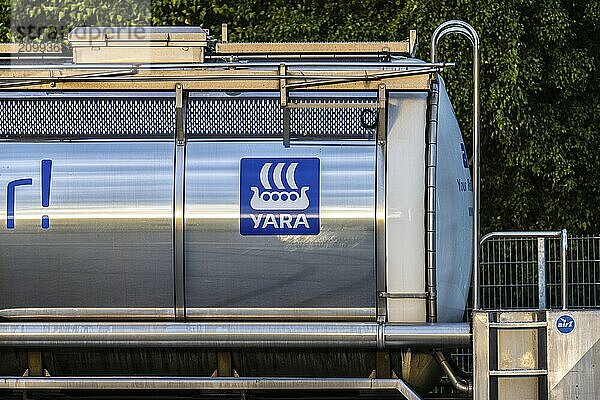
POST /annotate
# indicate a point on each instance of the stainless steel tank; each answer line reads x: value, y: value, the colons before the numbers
x: 222, y: 192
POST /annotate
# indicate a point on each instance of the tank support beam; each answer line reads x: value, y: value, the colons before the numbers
x: 34, y: 363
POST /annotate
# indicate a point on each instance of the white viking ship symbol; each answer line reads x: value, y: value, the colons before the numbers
x: 279, y: 199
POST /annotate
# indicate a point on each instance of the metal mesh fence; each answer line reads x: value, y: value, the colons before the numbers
x: 510, y: 270
x: 583, y: 280
x: 509, y: 277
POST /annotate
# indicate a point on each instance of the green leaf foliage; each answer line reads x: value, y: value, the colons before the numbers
x: 540, y: 84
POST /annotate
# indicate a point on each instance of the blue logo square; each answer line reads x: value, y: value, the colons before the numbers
x: 280, y: 196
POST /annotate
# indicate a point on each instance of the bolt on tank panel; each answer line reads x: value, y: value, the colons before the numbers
x: 87, y: 224
x: 269, y: 226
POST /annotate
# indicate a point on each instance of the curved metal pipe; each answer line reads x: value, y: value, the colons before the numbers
x: 233, y: 335
x: 463, y: 28
x: 460, y: 384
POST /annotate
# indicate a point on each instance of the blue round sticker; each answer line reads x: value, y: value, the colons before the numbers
x: 565, y: 324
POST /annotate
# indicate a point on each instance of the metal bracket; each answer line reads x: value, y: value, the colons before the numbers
x: 382, y: 117
x: 284, y: 99
x: 380, y: 191
x: 405, y: 295
x: 180, y: 114
x: 413, y: 43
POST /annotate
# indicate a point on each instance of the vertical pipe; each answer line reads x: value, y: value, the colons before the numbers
x: 476, y: 177
x: 461, y: 27
x: 179, y: 204
x: 563, y: 263
x: 430, y: 203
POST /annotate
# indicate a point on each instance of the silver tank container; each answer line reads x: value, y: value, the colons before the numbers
x: 222, y: 205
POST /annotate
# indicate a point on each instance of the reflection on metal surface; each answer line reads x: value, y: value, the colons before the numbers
x: 285, y: 314
x: 88, y: 314
x: 109, y: 243
x: 213, y: 314
x: 332, y: 269
x: 356, y: 335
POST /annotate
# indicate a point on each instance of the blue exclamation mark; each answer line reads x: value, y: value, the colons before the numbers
x: 46, y: 178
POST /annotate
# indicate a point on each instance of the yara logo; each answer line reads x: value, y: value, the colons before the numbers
x: 279, y: 196
x: 282, y: 199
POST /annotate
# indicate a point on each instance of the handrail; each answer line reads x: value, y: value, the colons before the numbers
x: 521, y: 234
x: 562, y: 234
x: 463, y: 28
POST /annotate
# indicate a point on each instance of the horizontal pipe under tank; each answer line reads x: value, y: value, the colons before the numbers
x: 234, y: 335
x: 186, y: 383
x: 192, y: 314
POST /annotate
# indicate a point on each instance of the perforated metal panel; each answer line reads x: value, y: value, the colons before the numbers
x: 77, y: 116
x: 262, y: 117
x: 234, y: 117
x: 108, y: 115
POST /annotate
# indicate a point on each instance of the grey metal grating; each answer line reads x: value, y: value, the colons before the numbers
x: 75, y: 116
x: 341, y: 122
x: 234, y: 117
x: 583, y: 266
x: 508, y: 273
x: 262, y: 117
x: 108, y: 115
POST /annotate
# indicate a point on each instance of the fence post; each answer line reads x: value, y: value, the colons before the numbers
x: 541, y: 254
x: 563, y: 263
